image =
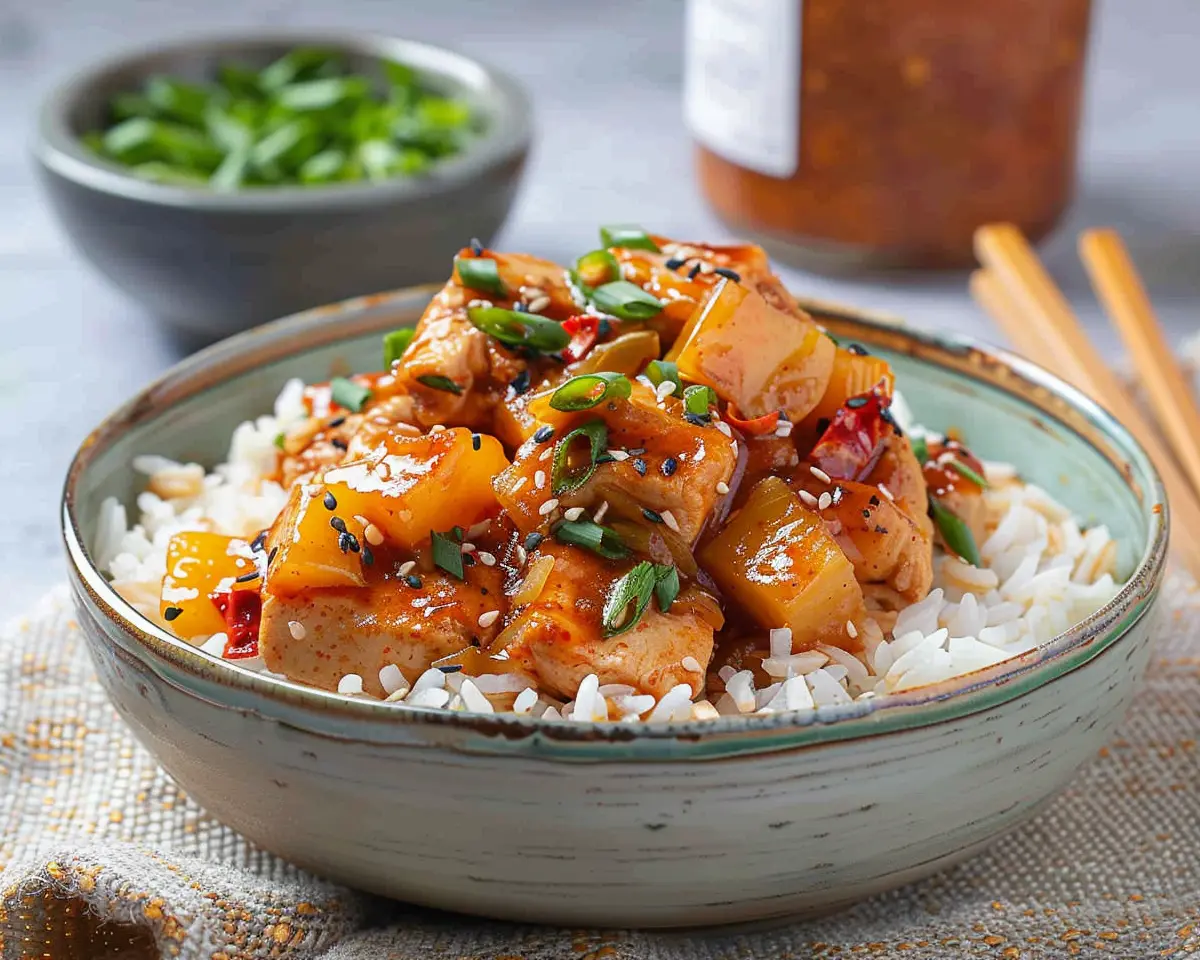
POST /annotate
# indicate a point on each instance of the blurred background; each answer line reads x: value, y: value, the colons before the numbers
x: 611, y: 144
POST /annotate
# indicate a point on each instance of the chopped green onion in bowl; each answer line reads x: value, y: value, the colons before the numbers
x: 304, y: 120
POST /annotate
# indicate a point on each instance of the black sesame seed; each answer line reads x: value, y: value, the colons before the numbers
x: 172, y: 612
x: 353, y: 542
x: 674, y: 263
x: 338, y: 524
x: 258, y: 542
x: 451, y: 668
x: 367, y: 555
x: 475, y: 642
x: 729, y: 274
x: 520, y: 307
x: 336, y: 422
x: 879, y: 529
x: 640, y: 466
x: 822, y: 424
x: 857, y: 349
x: 271, y: 555
x: 854, y: 403
x: 605, y: 458
x: 697, y: 419
x: 866, y: 514
x: 651, y: 515
x: 874, y: 501
x: 603, y: 328
x: 413, y: 581
x: 339, y: 444
x: 247, y: 577
x: 476, y: 247
x: 668, y: 466
x: 532, y: 541
x: 520, y: 384
x: 695, y: 270
x: 476, y: 441
x: 886, y: 416
x: 468, y: 560
x: 543, y: 434
x: 330, y: 501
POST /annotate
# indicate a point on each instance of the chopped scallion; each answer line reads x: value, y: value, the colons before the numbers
x: 480, y: 273
x: 597, y: 268
x: 590, y: 390
x: 698, y: 399
x: 599, y: 539
x: 629, y: 596
x: 666, y: 586
x: 563, y: 477
x: 435, y: 381
x: 627, y: 235
x: 346, y: 393
x: 969, y: 473
x: 516, y: 329
x: 394, y: 345
x: 447, y: 553
x: 920, y: 449
x: 955, y: 532
x: 659, y: 370
x: 626, y: 300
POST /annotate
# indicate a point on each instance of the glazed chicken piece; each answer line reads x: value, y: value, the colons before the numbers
x: 663, y: 464
x: 324, y: 441
x: 559, y: 636
x: 455, y: 373
x: 319, y: 636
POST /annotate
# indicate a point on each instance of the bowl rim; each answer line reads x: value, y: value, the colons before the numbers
x: 338, y: 715
x: 62, y: 152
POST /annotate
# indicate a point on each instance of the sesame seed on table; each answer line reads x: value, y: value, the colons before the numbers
x: 74, y: 348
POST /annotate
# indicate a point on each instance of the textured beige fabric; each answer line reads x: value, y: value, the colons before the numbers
x: 104, y: 857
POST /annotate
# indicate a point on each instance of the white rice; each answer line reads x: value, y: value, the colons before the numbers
x: 1042, y: 573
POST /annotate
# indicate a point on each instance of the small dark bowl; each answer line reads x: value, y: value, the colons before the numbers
x: 214, y: 263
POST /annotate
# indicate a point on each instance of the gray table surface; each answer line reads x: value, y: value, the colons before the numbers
x: 606, y: 83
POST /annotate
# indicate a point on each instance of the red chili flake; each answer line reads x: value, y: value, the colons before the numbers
x: 853, y: 442
x: 759, y: 426
x: 584, y: 330
x: 242, y: 610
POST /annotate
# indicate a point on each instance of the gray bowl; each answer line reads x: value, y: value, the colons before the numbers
x: 214, y: 263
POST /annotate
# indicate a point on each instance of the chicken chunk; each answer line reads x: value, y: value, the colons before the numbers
x: 559, y: 636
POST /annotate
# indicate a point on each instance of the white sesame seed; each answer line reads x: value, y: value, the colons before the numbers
x: 477, y: 302
x: 487, y: 619
x: 619, y: 455
x: 521, y: 555
x: 437, y: 428
x: 351, y: 683
x: 722, y: 487
x: 837, y: 495
x: 700, y: 455
x: 397, y: 695
x: 487, y: 559
x: 296, y: 629
x: 548, y: 507
x: 808, y: 499
x: 519, y: 484
x: 886, y: 492
x: 669, y: 519
x: 538, y: 305
x: 373, y: 534
x: 825, y: 501
x: 545, y: 454
x: 692, y: 664
x: 539, y: 480
x: 851, y: 629
x: 664, y: 389
x: 406, y: 567
x: 574, y: 513
x: 600, y: 512
x: 783, y: 429
x: 819, y: 474
x: 706, y: 267
x: 724, y: 428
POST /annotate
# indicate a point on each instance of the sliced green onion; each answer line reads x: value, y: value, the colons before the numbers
x: 517, y: 329
x: 666, y: 586
x: 626, y: 300
x: 628, y: 599
x: 970, y: 474
x: 348, y: 394
x: 584, y: 533
x: 627, y: 235
x: 659, y: 370
x: 597, y: 267
x: 590, y: 390
x: 480, y: 273
x: 435, y: 381
x: 920, y: 449
x: 955, y: 532
x: 394, y: 345
x: 447, y: 553
x: 697, y: 399
x: 280, y: 439
x: 562, y: 478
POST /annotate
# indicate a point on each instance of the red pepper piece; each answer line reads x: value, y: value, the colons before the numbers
x: 585, y: 331
x: 242, y: 610
x: 759, y: 426
x: 850, y: 446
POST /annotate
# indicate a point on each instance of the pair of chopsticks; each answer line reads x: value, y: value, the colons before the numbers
x: 1016, y: 291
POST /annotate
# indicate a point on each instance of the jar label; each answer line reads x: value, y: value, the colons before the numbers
x: 742, y: 81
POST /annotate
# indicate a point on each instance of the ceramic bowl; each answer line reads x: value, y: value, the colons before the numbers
x: 739, y: 819
x: 211, y: 263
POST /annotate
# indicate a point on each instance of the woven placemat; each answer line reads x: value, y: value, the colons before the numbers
x: 104, y: 856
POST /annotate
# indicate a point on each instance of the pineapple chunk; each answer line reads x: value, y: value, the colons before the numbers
x: 200, y: 564
x: 852, y: 375
x: 776, y: 560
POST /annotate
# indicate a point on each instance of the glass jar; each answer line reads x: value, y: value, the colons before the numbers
x: 881, y: 133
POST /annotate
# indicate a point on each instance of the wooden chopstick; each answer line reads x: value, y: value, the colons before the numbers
x: 1049, y: 332
x: 1119, y: 288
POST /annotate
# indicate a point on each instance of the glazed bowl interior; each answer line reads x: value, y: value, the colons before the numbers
x: 1004, y: 407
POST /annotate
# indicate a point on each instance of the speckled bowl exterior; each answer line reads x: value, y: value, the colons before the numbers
x: 212, y: 263
x: 629, y: 825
